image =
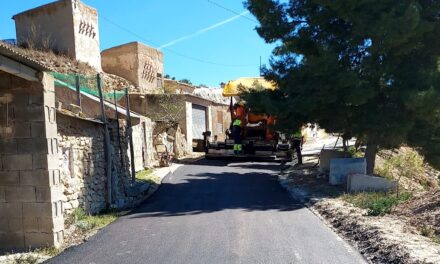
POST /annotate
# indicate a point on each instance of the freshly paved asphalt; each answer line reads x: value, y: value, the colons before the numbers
x: 217, y: 212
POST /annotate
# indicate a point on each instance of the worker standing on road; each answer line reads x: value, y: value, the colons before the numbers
x: 236, y: 135
x: 297, y: 142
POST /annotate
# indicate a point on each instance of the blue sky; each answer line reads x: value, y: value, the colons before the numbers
x: 197, y: 50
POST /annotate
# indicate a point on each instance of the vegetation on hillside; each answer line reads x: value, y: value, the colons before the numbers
x: 367, y: 69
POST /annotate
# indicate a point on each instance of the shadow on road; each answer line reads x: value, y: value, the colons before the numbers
x: 242, y: 186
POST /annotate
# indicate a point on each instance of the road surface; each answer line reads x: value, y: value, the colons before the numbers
x: 216, y: 212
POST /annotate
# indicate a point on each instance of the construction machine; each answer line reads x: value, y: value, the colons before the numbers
x: 258, y: 139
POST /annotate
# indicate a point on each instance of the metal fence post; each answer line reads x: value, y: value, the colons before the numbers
x: 130, y: 137
x: 107, y: 150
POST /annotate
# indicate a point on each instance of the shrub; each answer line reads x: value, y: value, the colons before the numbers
x: 87, y: 222
x: 377, y: 204
x: 408, y: 164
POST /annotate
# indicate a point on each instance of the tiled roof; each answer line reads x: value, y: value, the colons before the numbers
x: 7, y: 51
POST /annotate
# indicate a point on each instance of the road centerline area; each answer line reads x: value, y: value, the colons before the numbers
x: 217, y: 212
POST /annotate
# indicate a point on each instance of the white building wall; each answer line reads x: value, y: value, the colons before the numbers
x: 189, y: 124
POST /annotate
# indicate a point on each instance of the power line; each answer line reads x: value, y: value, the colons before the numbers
x: 155, y: 45
x: 232, y: 11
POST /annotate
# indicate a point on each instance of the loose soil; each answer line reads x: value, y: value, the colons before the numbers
x: 62, y: 64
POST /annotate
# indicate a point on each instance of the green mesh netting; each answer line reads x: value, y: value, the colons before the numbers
x: 86, y: 84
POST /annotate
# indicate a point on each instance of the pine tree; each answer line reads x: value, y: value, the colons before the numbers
x: 364, y: 68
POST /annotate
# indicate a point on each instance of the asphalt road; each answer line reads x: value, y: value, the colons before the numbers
x: 217, y: 212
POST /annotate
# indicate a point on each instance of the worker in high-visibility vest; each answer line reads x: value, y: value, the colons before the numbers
x: 297, y: 142
x: 236, y: 135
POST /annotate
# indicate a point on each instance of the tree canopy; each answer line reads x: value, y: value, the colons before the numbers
x: 364, y: 68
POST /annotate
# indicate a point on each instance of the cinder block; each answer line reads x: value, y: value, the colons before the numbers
x: 51, y: 130
x: 39, y: 240
x: 55, y: 177
x: 2, y: 194
x: 32, y: 146
x: 341, y: 168
x: 49, y: 97
x: 43, y: 194
x: 59, y: 238
x: 36, y: 98
x: 11, y: 241
x: 35, y: 178
x: 58, y: 224
x: 4, y: 225
x: 57, y: 209
x: 31, y: 113
x: 50, y: 113
x: 22, y: 130
x: 362, y: 183
x: 30, y: 225
x: 15, y: 225
x: 39, y: 161
x: 11, y: 210
x: 53, y: 162
x: 9, y: 178
x: 38, y: 129
x: 8, y: 146
x: 17, y: 162
x: 48, y: 194
x: 20, y: 194
x: 37, y: 210
x: 45, y: 224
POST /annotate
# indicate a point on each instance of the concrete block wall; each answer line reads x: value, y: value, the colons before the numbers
x: 30, y: 189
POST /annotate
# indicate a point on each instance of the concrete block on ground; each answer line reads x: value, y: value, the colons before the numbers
x: 74, y: 108
x: 341, y: 168
x: 328, y: 154
x: 366, y: 183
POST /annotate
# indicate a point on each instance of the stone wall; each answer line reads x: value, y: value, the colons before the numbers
x: 82, y: 164
x: 30, y: 189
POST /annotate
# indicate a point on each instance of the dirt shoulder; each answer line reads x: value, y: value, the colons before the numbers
x: 391, y: 238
